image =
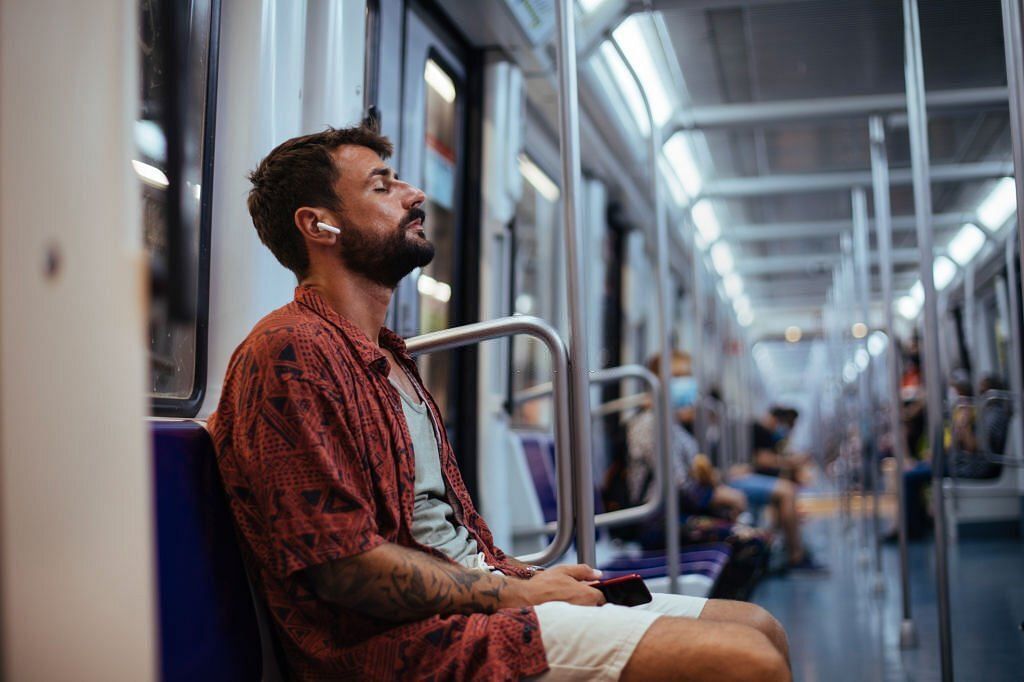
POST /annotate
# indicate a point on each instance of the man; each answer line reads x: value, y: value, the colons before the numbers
x: 768, y: 436
x: 369, y: 552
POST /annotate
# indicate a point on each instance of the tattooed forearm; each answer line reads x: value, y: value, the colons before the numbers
x: 400, y: 584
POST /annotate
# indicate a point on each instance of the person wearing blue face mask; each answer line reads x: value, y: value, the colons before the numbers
x: 708, y: 509
x: 696, y: 497
x: 683, y: 392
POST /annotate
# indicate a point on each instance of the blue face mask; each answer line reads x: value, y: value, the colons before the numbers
x: 781, y: 432
x: 682, y: 392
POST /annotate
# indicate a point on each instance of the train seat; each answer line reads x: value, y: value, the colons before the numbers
x: 700, y: 566
x: 210, y: 627
x: 983, y: 506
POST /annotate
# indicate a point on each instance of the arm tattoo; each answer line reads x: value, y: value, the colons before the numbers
x: 399, y: 584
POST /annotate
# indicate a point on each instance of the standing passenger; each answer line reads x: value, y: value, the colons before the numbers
x: 366, y: 546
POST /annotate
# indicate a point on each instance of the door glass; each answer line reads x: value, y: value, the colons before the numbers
x: 536, y: 272
x: 440, y: 165
x: 173, y: 347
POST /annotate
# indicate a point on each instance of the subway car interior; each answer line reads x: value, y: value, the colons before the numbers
x: 725, y: 293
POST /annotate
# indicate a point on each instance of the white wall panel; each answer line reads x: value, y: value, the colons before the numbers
x: 75, y: 489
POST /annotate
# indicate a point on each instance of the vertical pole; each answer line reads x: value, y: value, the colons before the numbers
x: 883, y: 227
x: 917, y: 118
x: 699, y: 313
x: 569, y: 137
x: 664, y: 335
x: 1013, y: 44
x: 848, y: 287
x: 1013, y: 321
x: 866, y: 381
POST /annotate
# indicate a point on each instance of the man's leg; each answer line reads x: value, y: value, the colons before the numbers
x: 751, y: 615
x: 729, y: 499
x: 784, y: 499
x: 686, y: 649
x: 724, y: 611
x: 672, y: 637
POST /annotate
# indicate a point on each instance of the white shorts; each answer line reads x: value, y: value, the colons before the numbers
x: 596, y: 642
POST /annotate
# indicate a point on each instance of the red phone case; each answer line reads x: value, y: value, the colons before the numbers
x: 625, y: 590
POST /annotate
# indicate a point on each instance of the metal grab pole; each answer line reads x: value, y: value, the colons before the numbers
x: 847, y: 272
x: 1013, y: 321
x: 917, y: 119
x: 869, y: 461
x: 472, y: 334
x: 1013, y: 44
x: 579, y: 391
x: 883, y: 228
x: 665, y: 342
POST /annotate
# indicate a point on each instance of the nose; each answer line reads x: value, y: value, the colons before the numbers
x: 415, y: 197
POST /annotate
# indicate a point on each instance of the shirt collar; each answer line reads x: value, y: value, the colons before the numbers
x: 369, y: 353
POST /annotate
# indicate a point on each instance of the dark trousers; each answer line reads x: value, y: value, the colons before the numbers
x: 915, y: 483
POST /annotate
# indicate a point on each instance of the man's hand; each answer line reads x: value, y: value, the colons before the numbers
x: 562, y: 583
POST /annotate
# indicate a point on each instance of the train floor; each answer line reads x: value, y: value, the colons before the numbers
x: 840, y: 631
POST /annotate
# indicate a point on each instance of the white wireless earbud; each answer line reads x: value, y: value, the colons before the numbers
x: 324, y: 227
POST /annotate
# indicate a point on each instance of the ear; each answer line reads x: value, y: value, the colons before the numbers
x: 306, y: 219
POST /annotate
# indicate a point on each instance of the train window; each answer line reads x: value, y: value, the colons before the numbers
x: 440, y: 171
x: 535, y: 289
x: 177, y: 350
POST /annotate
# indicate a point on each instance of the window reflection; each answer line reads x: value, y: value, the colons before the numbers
x: 440, y: 170
x: 172, y: 350
x: 536, y: 272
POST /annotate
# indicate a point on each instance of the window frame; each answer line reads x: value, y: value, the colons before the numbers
x: 188, y: 407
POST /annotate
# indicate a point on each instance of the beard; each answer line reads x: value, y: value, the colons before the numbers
x: 386, y: 259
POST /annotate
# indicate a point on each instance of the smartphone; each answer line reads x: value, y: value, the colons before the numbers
x: 626, y: 590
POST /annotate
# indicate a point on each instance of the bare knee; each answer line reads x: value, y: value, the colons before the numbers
x: 680, y: 648
x: 751, y: 656
x: 784, y: 491
x: 763, y: 660
x: 771, y: 628
x: 751, y: 615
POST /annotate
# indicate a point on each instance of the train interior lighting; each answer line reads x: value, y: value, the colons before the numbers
x: 720, y: 296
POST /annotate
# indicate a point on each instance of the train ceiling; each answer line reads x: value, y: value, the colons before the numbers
x: 774, y: 98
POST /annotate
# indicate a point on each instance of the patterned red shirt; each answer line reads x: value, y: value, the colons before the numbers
x: 318, y: 465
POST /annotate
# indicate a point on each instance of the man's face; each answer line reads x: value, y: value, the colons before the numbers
x: 382, y: 226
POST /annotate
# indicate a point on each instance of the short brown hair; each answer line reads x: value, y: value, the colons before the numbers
x: 301, y: 172
x: 654, y: 362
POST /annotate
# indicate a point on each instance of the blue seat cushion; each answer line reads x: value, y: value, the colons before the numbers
x: 208, y: 627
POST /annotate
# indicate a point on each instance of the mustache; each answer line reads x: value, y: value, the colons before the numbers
x: 413, y: 215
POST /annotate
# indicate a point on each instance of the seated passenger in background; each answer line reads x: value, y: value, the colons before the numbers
x: 967, y: 456
x: 769, y: 436
x: 762, y: 490
x: 707, y: 509
x: 364, y: 542
x: 699, y: 490
x: 979, y: 431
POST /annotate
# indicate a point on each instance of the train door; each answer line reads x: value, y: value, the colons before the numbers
x: 437, y: 100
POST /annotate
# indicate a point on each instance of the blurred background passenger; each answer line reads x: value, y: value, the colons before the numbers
x: 707, y: 509
x: 979, y: 431
x: 766, y: 489
x: 769, y: 443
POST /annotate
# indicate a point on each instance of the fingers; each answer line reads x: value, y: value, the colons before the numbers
x: 597, y: 597
x: 578, y: 571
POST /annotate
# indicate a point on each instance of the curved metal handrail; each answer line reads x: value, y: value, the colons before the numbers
x: 473, y: 334
x: 663, y: 463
